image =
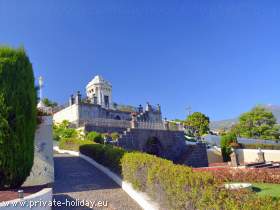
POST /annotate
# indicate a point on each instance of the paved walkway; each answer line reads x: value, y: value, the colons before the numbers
x: 77, y: 180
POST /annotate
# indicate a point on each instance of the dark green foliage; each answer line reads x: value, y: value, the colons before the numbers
x: 106, y: 155
x: 95, y: 137
x: 226, y: 141
x: 17, y: 117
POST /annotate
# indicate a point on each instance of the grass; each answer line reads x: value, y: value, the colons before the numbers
x: 73, y: 144
x: 266, y: 189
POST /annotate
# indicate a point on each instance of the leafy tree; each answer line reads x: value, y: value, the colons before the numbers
x: 257, y: 123
x: 63, y: 130
x: 226, y: 141
x: 17, y: 117
x: 49, y: 103
x: 197, y: 124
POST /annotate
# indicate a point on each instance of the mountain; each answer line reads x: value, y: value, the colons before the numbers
x: 214, y: 125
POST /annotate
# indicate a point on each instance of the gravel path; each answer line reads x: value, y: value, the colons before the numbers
x: 76, y: 180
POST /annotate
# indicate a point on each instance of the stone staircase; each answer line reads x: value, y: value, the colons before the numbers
x: 195, y: 156
x: 126, y: 139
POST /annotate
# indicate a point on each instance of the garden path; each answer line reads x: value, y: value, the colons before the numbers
x: 77, y: 180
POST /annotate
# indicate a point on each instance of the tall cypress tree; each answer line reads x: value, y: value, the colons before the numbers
x: 17, y: 117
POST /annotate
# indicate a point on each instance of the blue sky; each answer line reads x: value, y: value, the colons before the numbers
x: 220, y: 57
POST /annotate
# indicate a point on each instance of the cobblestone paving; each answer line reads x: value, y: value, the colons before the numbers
x: 77, y: 180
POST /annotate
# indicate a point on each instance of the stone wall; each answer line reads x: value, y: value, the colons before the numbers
x: 43, y: 167
x: 70, y: 114
x: 251, y: 155
x: 171, y: 145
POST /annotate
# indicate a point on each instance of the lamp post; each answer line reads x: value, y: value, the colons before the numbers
x: 41, y: 83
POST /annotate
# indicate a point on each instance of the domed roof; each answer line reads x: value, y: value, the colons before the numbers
x: 98, y: 80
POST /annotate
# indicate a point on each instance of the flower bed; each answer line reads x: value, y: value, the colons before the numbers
x: 244, y: 175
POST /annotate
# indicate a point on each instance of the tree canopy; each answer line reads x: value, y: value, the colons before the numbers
x: 257, y: 123
x: 49, y: 103
x: 197, y: 124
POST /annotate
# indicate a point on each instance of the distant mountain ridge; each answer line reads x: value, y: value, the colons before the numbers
x: 214, y: 125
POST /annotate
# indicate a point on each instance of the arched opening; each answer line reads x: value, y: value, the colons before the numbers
x: 117, y: 117
x: 153, y: 146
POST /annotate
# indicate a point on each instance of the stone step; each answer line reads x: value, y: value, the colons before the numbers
x: 263, y: 165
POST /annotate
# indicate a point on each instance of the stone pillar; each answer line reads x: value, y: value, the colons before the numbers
x: 159, y: 108
x: 134, y: 121
x: 71, y: 100
x: 140, y: 109
x: 261, y: 158
x: 234, y: 158
x: 148, y: 107
x: 78, y: 98
x: 166, y: 124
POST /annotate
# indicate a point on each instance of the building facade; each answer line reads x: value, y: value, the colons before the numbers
x: 98, y: 105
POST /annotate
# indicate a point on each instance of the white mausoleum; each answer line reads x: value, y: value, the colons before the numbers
x: 99, y: 91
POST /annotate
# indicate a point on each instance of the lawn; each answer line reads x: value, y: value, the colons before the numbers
x: 267, y: 189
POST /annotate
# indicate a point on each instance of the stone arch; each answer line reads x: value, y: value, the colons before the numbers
x: 153, y: 146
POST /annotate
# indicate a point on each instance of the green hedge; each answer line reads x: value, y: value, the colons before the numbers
x: 174, y: 186
x: 95, y: 137
x: 107, y: 155
x: 17, y: 117
x: 178, y: 187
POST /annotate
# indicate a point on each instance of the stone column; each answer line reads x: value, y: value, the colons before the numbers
x: 261, y: 158
x: 134, y: 121
x: 166, y: 124
x: 234, y: 158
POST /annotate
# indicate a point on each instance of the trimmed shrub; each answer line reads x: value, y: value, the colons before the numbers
x: 95, y: 137
x: 72, y: 143
x: 106, y: 155
x: 178, y: 187
x: 174, y: 186
x: 17, y: 117
x: 226, y: 141
x: 115, y: 136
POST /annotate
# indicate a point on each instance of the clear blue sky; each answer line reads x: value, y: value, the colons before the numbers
x: 221, y: 57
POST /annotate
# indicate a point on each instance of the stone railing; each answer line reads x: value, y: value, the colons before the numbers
x: 106, y: 123
x: 150, y: 125
x: 164, y: 125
